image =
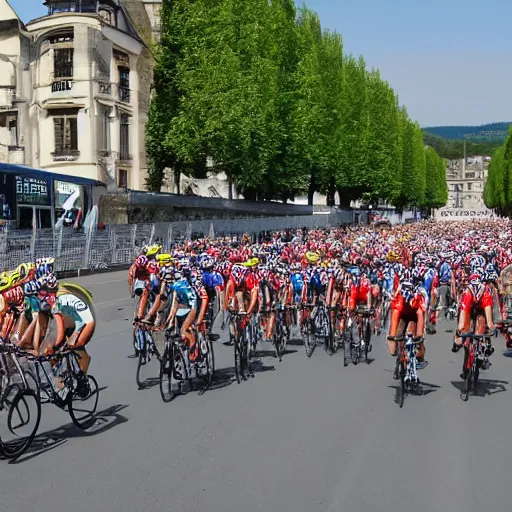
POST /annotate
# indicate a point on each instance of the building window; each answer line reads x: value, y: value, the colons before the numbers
x: 104, y: 130
x: 124, y: 139
x: 63, y: 63
x: 124, y: 84
x: 13, y: 130
x: 122, y: 179
x: 470, y: 186
x: 66, y: 137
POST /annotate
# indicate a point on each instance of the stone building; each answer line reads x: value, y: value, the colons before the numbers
x: 466, y: 182
x: 74, y: 91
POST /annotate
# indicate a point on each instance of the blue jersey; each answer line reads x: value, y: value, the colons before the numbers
x: 211, y: 280
x: 185, y: 293
x: 428, y: 281
x: 445, y: 273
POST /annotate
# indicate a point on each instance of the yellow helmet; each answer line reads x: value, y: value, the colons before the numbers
x: 251, y: 263
x: 164, y: 259
x: 392, y: 256
x: 21, y: 272
x: 5, y: 281
x: 152, y: 250
x: 312, y: 257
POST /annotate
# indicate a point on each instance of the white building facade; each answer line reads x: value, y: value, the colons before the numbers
x: 466, y: 181
x: 69, y: 92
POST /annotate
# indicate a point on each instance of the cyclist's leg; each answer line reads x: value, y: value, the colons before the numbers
x: 78, y: 340
x: 188, y: 335
x: 397, y: 306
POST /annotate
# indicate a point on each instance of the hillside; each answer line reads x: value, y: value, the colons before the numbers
x: 453, y: 149
x: 473, y: 132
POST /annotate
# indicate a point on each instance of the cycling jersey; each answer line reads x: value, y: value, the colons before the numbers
x: 73, y: 307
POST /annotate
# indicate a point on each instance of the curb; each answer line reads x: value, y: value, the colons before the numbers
x: 91, y: 271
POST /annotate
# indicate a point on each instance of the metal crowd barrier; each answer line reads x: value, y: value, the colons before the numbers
x: 119, y: 244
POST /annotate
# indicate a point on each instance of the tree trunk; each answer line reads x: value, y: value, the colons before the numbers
x: 345, y: 198
x: 311, y: 190
x: 331, y: 192
x: 177, y: 182
x: 230, y: 189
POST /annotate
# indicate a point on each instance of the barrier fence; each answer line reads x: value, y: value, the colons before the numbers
x: 119, y: 244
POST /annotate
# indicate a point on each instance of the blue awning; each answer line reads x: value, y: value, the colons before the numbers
x: 23, y: 170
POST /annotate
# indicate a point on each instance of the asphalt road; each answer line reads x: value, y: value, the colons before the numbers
x: 305, y: 435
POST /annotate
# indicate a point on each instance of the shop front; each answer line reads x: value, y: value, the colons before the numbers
x: 34, y: 198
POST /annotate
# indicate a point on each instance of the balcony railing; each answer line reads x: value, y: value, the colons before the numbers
x: 124, y: 156
x: 105, y: 88
x: 124, y: 94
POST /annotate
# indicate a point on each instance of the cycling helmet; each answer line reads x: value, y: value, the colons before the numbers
x: 141, y: 261
x: 207, y: 262
x: 312, y: 257
x: 490, y: 273
x: 238, y: 273
x: 164, y: 259
x: 251, y: 263
x: 152, y: 250
x: 392, y: 256
x: 5, y: 281
x: 44, y: 266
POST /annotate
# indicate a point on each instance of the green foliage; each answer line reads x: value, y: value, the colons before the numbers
x: 498, y: 187
x: 454, y: 149
x: 436, y: 190
x: 269, y: 97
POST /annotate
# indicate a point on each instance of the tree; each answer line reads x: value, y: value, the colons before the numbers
x: 436, y: 192
x: 165, y: 102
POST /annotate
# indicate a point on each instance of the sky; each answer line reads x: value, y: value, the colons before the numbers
x: 450, y: 61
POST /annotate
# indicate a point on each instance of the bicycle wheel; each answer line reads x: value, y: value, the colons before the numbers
x: 401, y: 390
x: 367, y: 339
x: 467, y: 375
x: 83, y: 402
x: 166, y: 374
x: 345, y: 347
x: 208, y: 368
x: 309, y: 340
x: 278, y: 339
x: 144, y: 359
x: 246, y: 354
x: 355, y: 345
x: 134, y: 342
x: 19, y: 421
x: 238, y: 358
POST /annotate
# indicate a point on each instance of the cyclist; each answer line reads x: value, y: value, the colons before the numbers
x: 408, y: 309
x: 476, y: 304
x: 242, y: 288
x: 142, y: 276
x: 73, y: 316
x: 184, y: 308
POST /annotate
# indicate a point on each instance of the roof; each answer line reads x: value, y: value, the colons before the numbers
x: 23, y: 170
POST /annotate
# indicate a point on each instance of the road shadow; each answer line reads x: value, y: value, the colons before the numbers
x: 258, y: 366
x: 222, y: 378
x: 485, y: 387
x: 105, y: 420
x: 149, y: 383
x: 425, y: 389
